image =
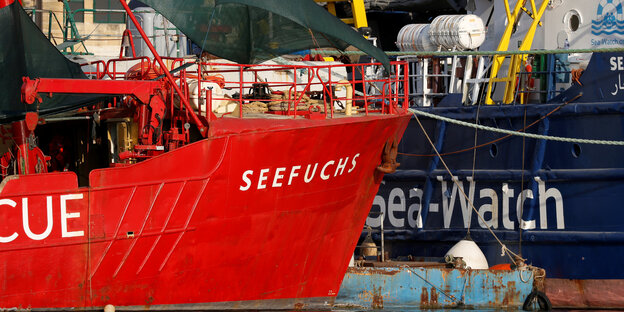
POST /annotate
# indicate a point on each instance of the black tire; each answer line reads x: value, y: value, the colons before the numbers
x: 537, y: 301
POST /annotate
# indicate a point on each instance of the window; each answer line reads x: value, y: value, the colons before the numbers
x: 77, y: 5
x: 108, y: 17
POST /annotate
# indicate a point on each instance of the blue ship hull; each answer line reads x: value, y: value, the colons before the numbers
x: 569, y: 196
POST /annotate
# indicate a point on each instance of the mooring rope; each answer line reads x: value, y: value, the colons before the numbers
x: 516, y: 133
x: 505, y: 251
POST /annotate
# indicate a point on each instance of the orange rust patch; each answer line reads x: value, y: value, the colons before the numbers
x: 371, y: 271
x: 434, y: 297
x: 510, y: 294
x: 424, y: 298
x: 377, y: 299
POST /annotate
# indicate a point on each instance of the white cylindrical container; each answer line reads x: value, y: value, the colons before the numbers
x: 462, y: 32
x: 468, y: 250
x: 167, y: 39
x: 415, y: 37
x: 145, y: 16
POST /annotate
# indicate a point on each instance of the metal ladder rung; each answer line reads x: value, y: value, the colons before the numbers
x: 477, y: 80
x: 504, y: 79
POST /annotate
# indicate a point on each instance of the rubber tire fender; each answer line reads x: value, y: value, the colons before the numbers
x: 541, y: 299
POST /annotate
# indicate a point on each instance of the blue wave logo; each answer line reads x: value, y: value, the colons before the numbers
x: 609, y: 18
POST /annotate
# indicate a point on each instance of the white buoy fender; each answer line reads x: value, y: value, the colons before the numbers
x: 470, y: 253
x: 109, y: 308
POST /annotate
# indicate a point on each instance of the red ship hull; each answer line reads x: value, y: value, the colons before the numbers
x: 265, y: 217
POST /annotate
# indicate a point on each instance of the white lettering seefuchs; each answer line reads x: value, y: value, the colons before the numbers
x: 281, y: 176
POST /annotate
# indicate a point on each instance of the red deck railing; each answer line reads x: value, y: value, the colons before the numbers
x: 291, y: 90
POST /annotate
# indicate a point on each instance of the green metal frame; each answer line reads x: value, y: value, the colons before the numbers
x: 70, y: 31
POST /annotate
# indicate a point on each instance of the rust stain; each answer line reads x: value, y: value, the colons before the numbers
x: 445, y: 274
x: 496, y: 289
x: 371, y: 271
x: 580, y: 285
x: 448, y: 290
x: 377, y: 299
x: 424, y: 298
x: 434, y: 297
x: 299, y: 306
x: 539, y: 276
x: 510, y: 294
x: 374, y: 297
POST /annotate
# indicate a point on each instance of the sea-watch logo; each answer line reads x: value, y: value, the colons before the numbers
x: 609, y: 18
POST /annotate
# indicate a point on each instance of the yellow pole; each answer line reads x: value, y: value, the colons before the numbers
x: 357, y: 8
x: 519, y: 60
x: 331, y: 7
x: 359, y: 13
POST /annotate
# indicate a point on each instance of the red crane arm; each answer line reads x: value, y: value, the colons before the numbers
x: 141, y: 89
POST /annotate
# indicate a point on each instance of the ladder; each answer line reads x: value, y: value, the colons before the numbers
x: 71, y: 36
x: 516, y: 61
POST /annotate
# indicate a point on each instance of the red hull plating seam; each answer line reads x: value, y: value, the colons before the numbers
x: 270, y: 213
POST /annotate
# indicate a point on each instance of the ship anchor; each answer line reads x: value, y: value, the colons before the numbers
x: 388, y: 157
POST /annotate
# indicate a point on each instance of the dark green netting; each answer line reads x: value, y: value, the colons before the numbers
x: 25, y: 51
x: 252, y: 31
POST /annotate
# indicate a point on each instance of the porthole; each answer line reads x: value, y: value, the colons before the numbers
x: 576, y: 150
x: 572, y: 20
x: 493, y: 150
x: 574, y: 23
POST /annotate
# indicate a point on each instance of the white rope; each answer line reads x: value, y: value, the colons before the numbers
x: 517, y: 133
x: 531, y: 274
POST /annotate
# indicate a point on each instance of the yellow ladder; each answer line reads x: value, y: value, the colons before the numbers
x: 357, y: 7
x: 517, y: 60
